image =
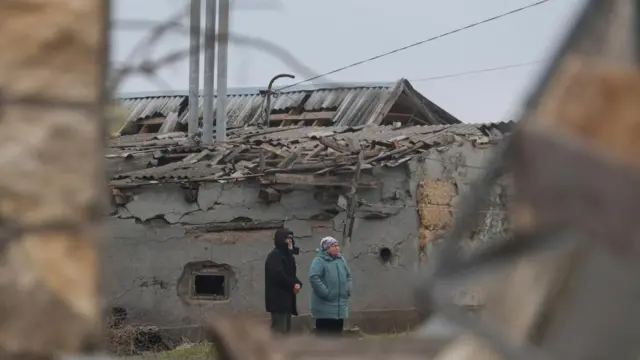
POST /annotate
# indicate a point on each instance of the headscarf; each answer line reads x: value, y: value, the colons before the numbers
x: 327, y: 242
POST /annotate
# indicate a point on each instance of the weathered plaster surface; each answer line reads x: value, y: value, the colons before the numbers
x: 151, y: 244
x: 461, y: 164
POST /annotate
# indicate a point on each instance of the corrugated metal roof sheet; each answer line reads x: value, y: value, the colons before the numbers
x: 355, y: 104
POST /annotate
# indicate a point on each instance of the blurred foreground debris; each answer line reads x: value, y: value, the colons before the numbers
x: 51, y: 74
x: 565, y: 287
x: 237, y: 339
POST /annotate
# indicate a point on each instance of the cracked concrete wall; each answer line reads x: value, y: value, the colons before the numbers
x: 151, y: 245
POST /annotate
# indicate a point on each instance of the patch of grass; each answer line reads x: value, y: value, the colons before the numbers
x: 201, y: 351
x: 205, y: 351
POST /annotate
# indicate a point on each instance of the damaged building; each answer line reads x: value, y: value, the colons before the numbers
x: 191, y: 226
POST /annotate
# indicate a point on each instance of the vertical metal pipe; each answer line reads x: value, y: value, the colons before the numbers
x: 223, y: 58
x: 194, y: 65
x: 267, y: 106
x: 269, y: 92
x: 209, y: 67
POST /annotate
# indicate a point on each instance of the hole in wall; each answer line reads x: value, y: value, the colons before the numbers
x: 206, y: 281
x: 191, y: 193
x: 209, y: 285
x: 385, y: 254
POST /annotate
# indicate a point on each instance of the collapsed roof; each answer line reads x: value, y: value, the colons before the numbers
x: 307, y: 155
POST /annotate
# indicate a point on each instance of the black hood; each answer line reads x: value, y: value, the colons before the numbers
x: 280, y: 237
x: 279, y: 241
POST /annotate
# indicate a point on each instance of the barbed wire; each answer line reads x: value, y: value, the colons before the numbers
x: 159, y: 29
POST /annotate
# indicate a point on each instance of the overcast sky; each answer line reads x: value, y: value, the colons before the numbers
x: 329, y: 34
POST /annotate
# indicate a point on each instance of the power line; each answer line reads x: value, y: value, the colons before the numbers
x: 418, y: 43
x: 477, y: 71
x: 451, y: 75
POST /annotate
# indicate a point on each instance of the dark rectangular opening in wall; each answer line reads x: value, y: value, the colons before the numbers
x: 211, y: 286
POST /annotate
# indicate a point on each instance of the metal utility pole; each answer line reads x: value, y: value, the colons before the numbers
x: 223, y: 58
x: 209, y: 74
x: 194, y: 65
x: 52, y: 130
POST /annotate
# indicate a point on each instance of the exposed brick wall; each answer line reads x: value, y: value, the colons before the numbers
x: 435, y: 198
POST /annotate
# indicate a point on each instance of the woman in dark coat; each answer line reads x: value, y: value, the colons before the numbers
x: 281, y: 283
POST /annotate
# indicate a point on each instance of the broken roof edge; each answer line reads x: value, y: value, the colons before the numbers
x: 442, y: 114
x: 249, y: 90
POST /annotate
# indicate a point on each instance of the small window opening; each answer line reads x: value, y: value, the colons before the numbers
x: 210, y: 286
x: 385, y: 254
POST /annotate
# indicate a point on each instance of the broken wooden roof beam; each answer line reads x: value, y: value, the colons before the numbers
x: 235, y: 226
x: 331, y: 143
x: 291, y: 159
x: 316, y: 180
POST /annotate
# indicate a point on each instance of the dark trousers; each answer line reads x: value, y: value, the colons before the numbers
x: 329, y: 327
x: 281, y: 323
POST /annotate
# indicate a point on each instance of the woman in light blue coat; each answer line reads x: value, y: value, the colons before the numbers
x: 331, y: 286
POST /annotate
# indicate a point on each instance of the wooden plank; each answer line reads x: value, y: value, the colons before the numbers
x: 236, y: 226
x: 291, y: 159
x: 262, y: 163
x: 151, y: 121
x: 274, y: 150
x: 303, y: 116
x: 245, y: 165
x: 352, y: 204
x: 400, y: 115
x: 216, y: 159
x: 397, y: 152
x: 313, y: 180
x: 331, y: 143
x: 398, y: 138
x: 318, y: 134
x: 194, y: 158
x: 235, y: 152
x: 316, y: 165
x: 316, y: 151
